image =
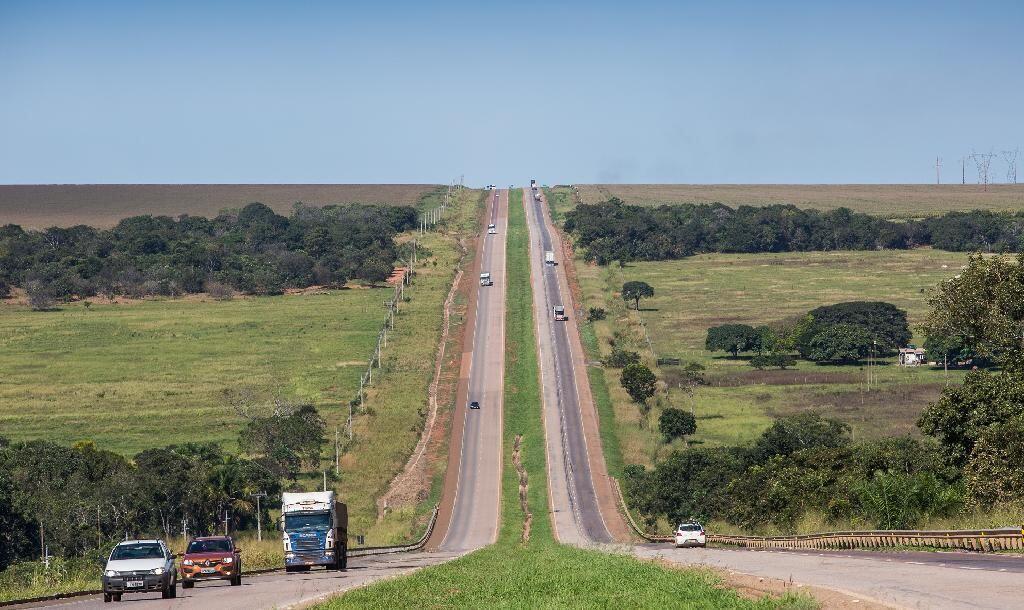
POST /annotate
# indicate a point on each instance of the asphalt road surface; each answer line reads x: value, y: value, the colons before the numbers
x: 477, y: 493
x: 902, y: 579
x: 574, y: 501
x: 271, y: 590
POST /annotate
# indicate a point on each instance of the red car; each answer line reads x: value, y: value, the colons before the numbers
x: 211, y: 558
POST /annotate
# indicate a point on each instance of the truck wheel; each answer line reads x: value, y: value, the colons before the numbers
x: 343, y: 559
x: 117, y: 597
x: 236, y: 580
x: 187, y: 584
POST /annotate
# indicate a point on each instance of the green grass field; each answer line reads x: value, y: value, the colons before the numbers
x: 151, y: 373
x: 541, y: 573
x: 702, y: 291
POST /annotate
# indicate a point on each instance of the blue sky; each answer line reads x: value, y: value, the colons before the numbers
x: 708, y: 92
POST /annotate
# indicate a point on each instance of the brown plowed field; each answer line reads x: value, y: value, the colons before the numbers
x: 44, y: 205
x: 889, y: 200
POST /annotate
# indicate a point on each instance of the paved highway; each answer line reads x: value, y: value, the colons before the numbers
x: 469, y: 517
x: 903, y: 579
x: 575, y: 501
x: 271, y: 590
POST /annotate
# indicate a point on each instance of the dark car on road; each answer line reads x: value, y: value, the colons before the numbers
x: 474, y: 405
x: 137, y: 566
x: 211, y: 558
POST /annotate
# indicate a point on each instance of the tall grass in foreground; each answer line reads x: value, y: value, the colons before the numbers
x: 541, y: 572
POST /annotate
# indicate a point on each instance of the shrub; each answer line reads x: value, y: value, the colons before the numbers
x: 220, y: 291
x: 780, y: 361
x: 597, y: 313
x: 621, y: 358
x: 639, y: 381
x: 676, y: 423
x: 5, y: 290
x: 40, y: 297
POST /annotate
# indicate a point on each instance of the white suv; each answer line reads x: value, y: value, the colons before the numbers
x: 140, y: 565
x: 690, y: 534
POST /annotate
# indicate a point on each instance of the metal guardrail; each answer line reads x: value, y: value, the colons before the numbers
x: 403, y: 548
x: 996, y: 539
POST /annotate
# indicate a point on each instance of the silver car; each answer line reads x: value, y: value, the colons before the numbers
x: 140, y: 566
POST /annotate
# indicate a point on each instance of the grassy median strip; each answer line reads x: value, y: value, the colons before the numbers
x: 541, y: 572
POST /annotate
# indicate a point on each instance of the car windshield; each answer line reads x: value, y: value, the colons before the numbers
x: 209, y: 546
x: 690, y: 527
x: 300, y: 521
x: 137, y: 551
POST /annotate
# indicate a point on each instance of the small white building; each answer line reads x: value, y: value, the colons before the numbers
x: 912, y: 356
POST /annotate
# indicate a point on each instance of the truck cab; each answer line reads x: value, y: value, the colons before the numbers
x: 314, y: 528
x: 558, y: 312
x: 549, y: 258
x: 485, y: 279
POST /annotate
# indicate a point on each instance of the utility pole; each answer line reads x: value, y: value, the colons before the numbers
x: 938, y: 168
x: 963, y: 170
x: 337, y: 456
x: 259, y: 514
x: 325, y: 480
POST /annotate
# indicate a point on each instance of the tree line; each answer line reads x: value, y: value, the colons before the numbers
x: 252, y: 250
x: 842, y: 333
x: 613, y: 231
x: 78, y: 500
x: 969, y: 459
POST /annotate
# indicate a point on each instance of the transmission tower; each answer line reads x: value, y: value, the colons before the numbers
x: 1010, y: 156
x: 963, y: 170
x: 938, y: 169
x: 982, y: 161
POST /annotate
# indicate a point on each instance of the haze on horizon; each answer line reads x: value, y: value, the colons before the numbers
x: 399, y: 92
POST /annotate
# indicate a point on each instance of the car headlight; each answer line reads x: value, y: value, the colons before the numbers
x: 186, y: 562
x: 328, y: 552
x: 289, y: 555
x: 158, y: 571
x: 111, y: 573
x: 228, y: 559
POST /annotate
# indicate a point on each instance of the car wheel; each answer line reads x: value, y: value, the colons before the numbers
x: 106, y: 598
x: 343, y: 560
x: 173, y: 589
x: 117, y: 597
x: 187, y: 584
x: 290, y: 569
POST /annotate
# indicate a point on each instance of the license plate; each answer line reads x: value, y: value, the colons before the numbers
x: 208, y: 570
x: 132, y: 583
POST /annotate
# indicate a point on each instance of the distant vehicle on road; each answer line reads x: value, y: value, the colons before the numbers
x: 558, y: 312
x: 491, y: 229
x: 314, y: 527
x: 533, y: 184
x: 549, y: 258
x: 690, y: 534
x: 485, y: 279
x: 140, y: 566
x: 536, y: 196
x: 474, y: 405
x: 211, y: 558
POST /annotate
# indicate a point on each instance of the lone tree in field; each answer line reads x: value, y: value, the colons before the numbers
x: 676, y: 423
x: 634, y: 291
x: 40, y: 297
x: 732, y: 338
x: 639, y: 382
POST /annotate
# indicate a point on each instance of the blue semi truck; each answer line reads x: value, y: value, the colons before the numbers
x: 314, y: 526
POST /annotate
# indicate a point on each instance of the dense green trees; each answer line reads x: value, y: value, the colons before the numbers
x: 801, y: 463
x: 611, y: 231
x: 885, y: 323
x: 842, y: 343
x: 732, y: 338
x: 254, y: 250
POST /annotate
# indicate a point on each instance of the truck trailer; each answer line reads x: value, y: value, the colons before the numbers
x: 314, y: 528
x: 485, y: 279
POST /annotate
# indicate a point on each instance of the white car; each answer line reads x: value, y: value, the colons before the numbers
x: 491, y: 229
x: 140, y: 566
x: 690, y: 534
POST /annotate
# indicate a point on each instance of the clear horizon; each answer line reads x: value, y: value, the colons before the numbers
x: 739, y: 93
